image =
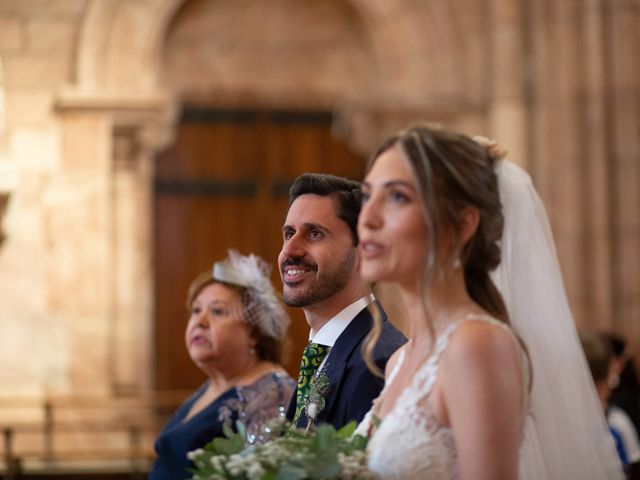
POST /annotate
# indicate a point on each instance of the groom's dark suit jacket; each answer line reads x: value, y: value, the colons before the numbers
x: 353, y: 387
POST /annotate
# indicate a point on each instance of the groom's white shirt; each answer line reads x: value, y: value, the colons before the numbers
x: 331, y: 330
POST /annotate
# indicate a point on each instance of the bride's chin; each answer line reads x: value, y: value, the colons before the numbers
x: 371, y: 275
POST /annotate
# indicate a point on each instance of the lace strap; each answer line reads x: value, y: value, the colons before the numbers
x: 395, y: 370
x: 425, y: 377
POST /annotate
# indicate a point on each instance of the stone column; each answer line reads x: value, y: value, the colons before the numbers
x: 586, y: 150
x: 622, y: 67
x: 133, y: 130
x: 507, y: 106
x: 595, y: 174
x: 5, y: 183
x: 557, y: 137
x: 77, y: 230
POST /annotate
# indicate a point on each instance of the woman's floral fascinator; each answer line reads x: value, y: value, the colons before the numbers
x: 263, y: 308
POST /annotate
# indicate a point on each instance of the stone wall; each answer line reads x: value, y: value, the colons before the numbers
x: 38, y: 333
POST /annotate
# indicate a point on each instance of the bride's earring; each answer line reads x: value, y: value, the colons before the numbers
x: 457, y: 263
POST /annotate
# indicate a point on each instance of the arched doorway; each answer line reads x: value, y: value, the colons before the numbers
x: 223, y: 184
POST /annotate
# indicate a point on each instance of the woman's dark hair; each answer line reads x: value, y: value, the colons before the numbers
x: 267, y: 348
x: 598, y: 353
x: 345, y: 193
x: 452, y: 172
x: 627, y: 392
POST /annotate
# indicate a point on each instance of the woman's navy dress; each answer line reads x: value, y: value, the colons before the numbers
x: 254, y: 405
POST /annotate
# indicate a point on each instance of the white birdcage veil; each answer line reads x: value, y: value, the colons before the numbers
x: 261, y: 306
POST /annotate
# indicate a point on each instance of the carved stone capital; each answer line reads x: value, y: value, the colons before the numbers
x: 143, y: 122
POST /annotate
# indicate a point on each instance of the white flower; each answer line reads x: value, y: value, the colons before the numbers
x: 218, y: 462
x: 255, y: 470
x: 192, y: 455
x: 492, y: 148
x: 354, y: 466
x: 312, y: 411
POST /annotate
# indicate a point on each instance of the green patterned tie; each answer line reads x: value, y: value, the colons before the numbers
x: 312, y: 357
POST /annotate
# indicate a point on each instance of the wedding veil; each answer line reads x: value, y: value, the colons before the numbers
x: 566, y: 437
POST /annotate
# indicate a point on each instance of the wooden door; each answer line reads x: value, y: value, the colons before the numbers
x: 224, y: 184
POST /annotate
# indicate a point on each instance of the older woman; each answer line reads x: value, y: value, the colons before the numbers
x: 234, y: 334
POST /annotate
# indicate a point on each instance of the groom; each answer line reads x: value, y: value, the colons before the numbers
x: 319, y: 265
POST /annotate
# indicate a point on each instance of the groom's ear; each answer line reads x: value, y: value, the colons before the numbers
x: 469, y: 220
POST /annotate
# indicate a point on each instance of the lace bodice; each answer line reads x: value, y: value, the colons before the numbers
x: 410, y: 443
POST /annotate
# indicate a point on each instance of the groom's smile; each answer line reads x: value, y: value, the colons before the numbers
x: 318, y: 254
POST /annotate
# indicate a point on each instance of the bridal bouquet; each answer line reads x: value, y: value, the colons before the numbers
x: 324, y: 453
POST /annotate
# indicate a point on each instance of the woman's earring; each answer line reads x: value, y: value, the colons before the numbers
x: 252, y: 350
x: 457, y: 263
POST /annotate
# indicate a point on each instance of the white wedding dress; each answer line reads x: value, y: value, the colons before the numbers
x: 410, y: 443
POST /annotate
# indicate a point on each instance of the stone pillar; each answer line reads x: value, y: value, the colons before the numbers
x: 37, y: 46
x: 595, y: 174
x: 557, y: 166
x: 131, y: 324
x: 135, y: 148
x: 586, y: 149
x: 507, y: 107
x: 77, y: 230
x: 132, y: 130
x: 5, y: 169
x: 620, y: 26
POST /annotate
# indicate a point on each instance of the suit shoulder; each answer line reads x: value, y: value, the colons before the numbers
x: 390, y: 340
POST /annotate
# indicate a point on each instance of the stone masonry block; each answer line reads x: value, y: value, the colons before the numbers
x: 42, y: 70
x: 39, y: 7
x: 11, y: 34
x: 35, y: 149
x: 51, y: 34
x: 28, y: 107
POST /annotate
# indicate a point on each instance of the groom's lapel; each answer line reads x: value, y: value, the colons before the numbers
x: 337, y: 360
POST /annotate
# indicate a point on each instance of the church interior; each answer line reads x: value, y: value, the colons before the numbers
x: 140, y: 140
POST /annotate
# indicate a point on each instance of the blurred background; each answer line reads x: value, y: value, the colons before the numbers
x: 140, y: 139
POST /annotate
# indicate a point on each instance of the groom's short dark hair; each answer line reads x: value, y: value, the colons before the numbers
x: 345, y: 193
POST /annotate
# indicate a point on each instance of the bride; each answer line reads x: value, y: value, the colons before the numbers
x: 475, y: 393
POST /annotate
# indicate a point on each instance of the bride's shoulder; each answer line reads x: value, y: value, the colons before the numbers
x: 483, y: 360
x: 482, y: 343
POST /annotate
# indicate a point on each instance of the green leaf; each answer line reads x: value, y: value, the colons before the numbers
x: 376, y: 420
x: 290, y: 472
x: 324, y: 435
x: 227, y: 430
x: 329, y: 470
x: 347, y: 430
x: 228, y: 446
x: 241, y: 428
x: 357, y: 442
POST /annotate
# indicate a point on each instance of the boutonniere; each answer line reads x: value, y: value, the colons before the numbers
x: 316, y: 402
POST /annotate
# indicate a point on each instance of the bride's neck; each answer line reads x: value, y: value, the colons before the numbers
x: 440, y: 304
